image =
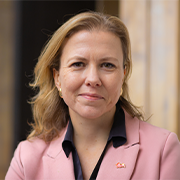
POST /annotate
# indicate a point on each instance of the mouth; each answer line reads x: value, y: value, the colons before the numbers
x: 90, y: 96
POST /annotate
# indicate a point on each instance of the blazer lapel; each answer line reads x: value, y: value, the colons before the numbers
x: 126, y: 154
x: 55, y: 164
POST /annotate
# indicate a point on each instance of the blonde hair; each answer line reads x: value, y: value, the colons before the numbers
x: 50, y: 111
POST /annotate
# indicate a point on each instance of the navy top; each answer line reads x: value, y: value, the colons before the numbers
x: 117, y: 136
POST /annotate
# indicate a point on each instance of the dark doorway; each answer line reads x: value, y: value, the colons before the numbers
x: 37, y: 20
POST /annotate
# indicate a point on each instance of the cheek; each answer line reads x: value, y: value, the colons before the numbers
x: 69, y: 82
x: 116, y: 89
x: 114, y: 85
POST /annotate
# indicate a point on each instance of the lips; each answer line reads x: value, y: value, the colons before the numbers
x: 91, y: 96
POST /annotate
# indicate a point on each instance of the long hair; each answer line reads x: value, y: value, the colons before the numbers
x: 50, y: 111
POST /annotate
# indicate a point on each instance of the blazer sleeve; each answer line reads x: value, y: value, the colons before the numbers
x: 15, y: 170
x: 170, y: 162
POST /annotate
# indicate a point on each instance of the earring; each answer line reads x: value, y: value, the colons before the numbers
x: 121, y: 92
x: 60, y: 93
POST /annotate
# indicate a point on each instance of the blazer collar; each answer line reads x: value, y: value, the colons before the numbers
x: 55, y: 146
x: 132, y: 130
x: 132, y: 134
x: 126, y: 154
x: 55, y: 164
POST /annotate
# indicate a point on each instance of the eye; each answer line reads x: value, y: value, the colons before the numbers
x: 78, y: 64
x: 108, y: 65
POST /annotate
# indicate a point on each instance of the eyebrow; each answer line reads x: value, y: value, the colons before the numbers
x: 108, y: 58
x: 77, y: 58
x: 85, y: 59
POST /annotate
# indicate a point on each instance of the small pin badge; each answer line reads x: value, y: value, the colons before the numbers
x: 120, y: 165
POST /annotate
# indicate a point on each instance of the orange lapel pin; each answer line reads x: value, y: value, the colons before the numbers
x: 120, y: 165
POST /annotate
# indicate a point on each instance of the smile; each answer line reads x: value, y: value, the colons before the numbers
x: 91, y: 96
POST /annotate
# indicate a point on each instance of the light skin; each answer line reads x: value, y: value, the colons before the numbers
x: 90, y: 77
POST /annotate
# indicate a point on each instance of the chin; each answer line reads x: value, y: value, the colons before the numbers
x: 91, y: 115
x: 90, y: 112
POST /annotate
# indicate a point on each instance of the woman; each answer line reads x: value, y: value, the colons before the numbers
x: 85, y: 126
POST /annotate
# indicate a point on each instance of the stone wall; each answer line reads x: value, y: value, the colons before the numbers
x: 153, y: 28
x: 7, y: 23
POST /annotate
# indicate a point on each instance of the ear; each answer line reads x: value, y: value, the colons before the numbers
x: 124, y: 74
x: 124, y: 70
x: 56, y: 78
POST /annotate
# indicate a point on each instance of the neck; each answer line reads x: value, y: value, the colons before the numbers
x: 89, y: 132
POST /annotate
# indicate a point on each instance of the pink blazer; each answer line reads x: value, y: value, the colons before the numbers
x: 150, y: 153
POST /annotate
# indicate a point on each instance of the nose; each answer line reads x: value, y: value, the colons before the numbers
x: 92, y: 77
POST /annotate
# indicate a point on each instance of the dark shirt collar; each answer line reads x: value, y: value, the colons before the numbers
x: 118, y: 130
x: 68, y: 144
x: 117, y: 133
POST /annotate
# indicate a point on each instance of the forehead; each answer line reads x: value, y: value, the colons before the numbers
x: 92, y: 37
x: 92, y: 45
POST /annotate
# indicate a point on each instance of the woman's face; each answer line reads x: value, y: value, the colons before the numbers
x: 91, y: 73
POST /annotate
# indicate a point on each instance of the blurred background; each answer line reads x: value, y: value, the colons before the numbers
x: 25, y: 26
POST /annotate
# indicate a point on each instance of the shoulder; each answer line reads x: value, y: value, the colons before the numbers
x: 163, y: 147
x: 29, y: 153
x: 152, y: 136
x: 149, y: 135
x: 151, y: 130
x: 153, y: 133
x: 34, y: 146
x: 26, y: 158
x: 159, y: 149
x: 38, y: 147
